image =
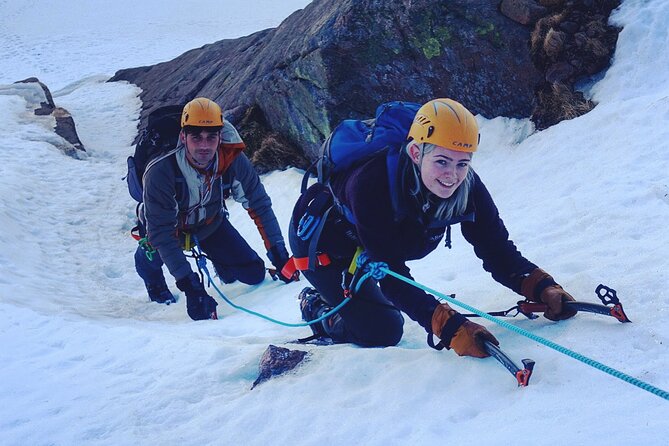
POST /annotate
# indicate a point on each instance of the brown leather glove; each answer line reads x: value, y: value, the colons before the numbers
x: 460, y: 334
x: 539, y: 286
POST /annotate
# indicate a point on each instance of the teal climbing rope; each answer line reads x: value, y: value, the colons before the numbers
x: 591, y: 362
x: 201, y: 261
x: 260, y: 315
x: 377, y: 270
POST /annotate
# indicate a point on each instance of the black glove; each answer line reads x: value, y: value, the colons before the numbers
x: 199, y: 304
x: 278, y: 255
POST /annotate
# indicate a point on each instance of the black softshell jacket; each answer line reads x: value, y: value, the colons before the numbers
x: 365, y: 191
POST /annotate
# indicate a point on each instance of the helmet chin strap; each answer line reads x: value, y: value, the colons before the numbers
x: 424, y: 193
x: 189, y: 157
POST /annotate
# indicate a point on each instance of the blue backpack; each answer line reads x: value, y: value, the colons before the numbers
x: 352, y: 142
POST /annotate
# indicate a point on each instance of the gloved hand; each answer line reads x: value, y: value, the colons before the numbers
x: 199, y: 304
x: 468, y: 340
x: 278, y: 255
x: 539, y: 286
x: 460, y: 334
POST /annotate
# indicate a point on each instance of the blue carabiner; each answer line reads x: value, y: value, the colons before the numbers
x: 305, y: 228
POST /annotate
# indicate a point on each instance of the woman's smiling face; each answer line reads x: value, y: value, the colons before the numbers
x: 441, y: 170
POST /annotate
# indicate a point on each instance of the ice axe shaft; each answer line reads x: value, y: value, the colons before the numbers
x: 522, y: 375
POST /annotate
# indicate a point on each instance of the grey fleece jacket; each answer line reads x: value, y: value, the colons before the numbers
x: 167, y: 218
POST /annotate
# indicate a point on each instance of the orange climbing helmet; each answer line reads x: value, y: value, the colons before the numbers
x: 202, y: 112
x: 446, y: 123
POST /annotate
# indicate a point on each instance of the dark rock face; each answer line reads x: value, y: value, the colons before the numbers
x: 339, y: 59
x: 572, y: 42
x: 276, y: 361
x: 47, y: 105
x: 286, y: 88
x: 267, y: 149
x: 526, y: 12
x: 65, y: 127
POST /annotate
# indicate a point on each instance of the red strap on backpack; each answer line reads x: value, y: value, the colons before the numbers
x: 302, y: 264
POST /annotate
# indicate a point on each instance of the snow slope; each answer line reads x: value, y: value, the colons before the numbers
x: 86, y: 359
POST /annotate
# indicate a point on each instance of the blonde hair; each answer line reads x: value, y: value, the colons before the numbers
x: 446, y: 208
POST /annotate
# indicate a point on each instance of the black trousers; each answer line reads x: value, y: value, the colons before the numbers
x: 231, y: 255
x: 369, y: 319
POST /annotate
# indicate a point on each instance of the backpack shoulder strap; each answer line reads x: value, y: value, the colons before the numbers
x: 181, y: 188
x: 323, y: 163
x: 180, y: 185
x: 393, y: 166
x: 152, y: 162
x: 308, y: 173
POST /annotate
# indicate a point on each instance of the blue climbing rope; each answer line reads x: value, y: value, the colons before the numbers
x: 201, y: 261
x: 276, y: 321
x: 591, y: 362
x: 378, y: 270
x: 375, y: 270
